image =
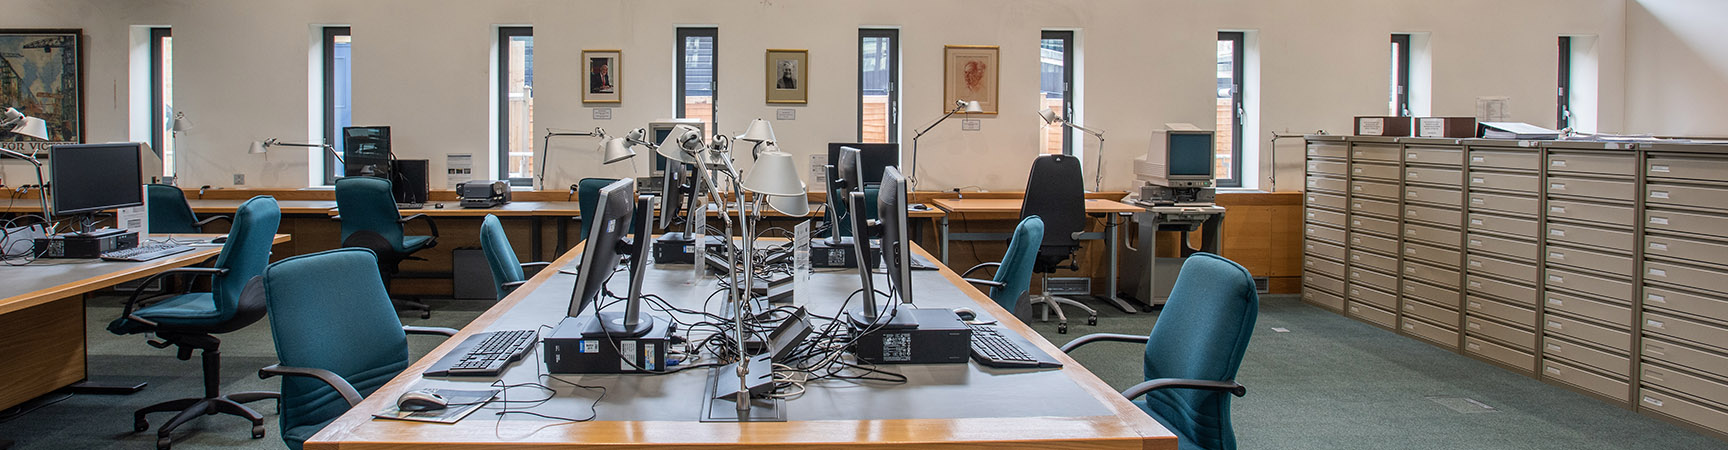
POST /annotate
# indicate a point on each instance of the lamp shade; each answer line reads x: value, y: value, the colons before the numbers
x: 774, y: 174
x: 795, y: 206
x: 181, y: 123
x: 682, y: 137
x: 33, y: 127
x: 615, y: 150
x: 759, y: 131
x: 972, y: 107
x: 258, y: 147
x: 1049, y: 116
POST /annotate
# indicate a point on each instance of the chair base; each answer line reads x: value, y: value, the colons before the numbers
x: 412, y: 305
x: 191, y: 408
x: 1054, y: 303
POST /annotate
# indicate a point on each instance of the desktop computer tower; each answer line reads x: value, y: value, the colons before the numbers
x: 940, y: 338
x: 408, y: 181
x: 574, y: 346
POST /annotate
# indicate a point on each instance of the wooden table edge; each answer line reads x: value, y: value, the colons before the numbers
x: 52, y: 293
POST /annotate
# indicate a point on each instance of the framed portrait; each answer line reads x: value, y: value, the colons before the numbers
x: 969, y: 72
x: 42, y: 75
x: 788, y: 76
x: 604, y: 83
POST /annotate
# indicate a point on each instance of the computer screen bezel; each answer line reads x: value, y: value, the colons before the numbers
x: 891, y: 205
x: 1170, y: 156
x: 62, y: 159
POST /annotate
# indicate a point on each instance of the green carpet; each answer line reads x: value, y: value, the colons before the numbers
x: 1328, y: 383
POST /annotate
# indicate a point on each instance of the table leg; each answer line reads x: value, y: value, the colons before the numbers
x: 534, y: 229
x: 563, y: 234
x: 944, y: 239
x: 1110, y: 239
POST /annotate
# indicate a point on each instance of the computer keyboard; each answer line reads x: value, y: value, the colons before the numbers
x: 994, y: 347
x: 485, y: 354
x: 146, y: 252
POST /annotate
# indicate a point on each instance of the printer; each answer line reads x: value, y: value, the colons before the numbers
x: 483, y: 193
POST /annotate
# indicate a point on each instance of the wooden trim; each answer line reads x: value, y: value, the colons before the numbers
x: 98, y: 282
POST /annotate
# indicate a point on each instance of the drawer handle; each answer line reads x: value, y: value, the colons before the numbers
x: 1410, y: 251
x: 1658, y: 246
x: 1554, y: 348
x: 1658, y: 220
x: 1356, y: 188
x: 1354, y: 258
x: 1478, y: 180
x: 1411, y: 174
x: 1474, y: 326
x: 1659, y: 194
x: 1475, y: 263
x: 1355, y: 240
x: 1556, y: 302
x: 1411, y: 194
x: 1551, y: 369
x: 1412, y: 155
x: 1475, y: 305
x: 1472, y: 346
x: 1557, y: 186
x: 1475, y: 242
x: 1478, y: 159
x: 1354, y: 292
x: 1410, y: 213
x: 1477, y: 222
x: 1656, y: 298
x: 1655, y: 272
x: 1475, y: 200
x: 1556, y: 279
x: 1358, y: 169
x: 1356, y: 223
x: 1311, y: 215
x: 1653, y: 323
x: 1653, y: 401
x: 1663, y: 168
x: 1554, y: 325
x: 1556, y: 255
x: 1410, y: 270
x: 1357, y: 205
x: 1557, y: 163
x: 1475, y: 284
x: 1557, y: 209
x: 1409, y: 307
x: 1557, y: 232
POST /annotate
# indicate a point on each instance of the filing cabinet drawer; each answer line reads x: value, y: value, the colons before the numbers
x: 1441, y: 256
x: 1327, y: 184
x: 1620, y: 216
x: 1686, y: 356
x: 1516, y: 249
x: 1687, y: 331
x: 1429, y: 175
x: 1590, y: 237
x: 1318, y: 199
x: 1680, y: 381
x: 1370, y: 295
x: 1384, y: 227
x: 1375, y: 207
x: 1432, y: 294
x: 1435, y: 334
x: 1607, y: 362
x: 1605, y: 312
x: 1499, y: 353
x: 1686, y: 249
x: 1370, y: 314
x: 1587, y: 259
x: 1438, y: 196
x: 1504, y: 181
x: 1433, y: 155
x: 1323, y: 299
x: 1431, y: 313
x: 1529, y: 161
x: 1598, y: 164
x: 1445, y: 276
x: 1684, y: 409
x: 1578, y: 330
x: 1326, y: 217
x: 1324, y: 167
x: 1499, y: 310
x: 1686, y: 224
x: 1428, y: 214
x: 1623, y: 191
x: 1316, y: 280
x: 1518, y: 338
x: 1503, y: 225
x: 1686, y: 167
x: 1326, y: 233
x: 1515, y: 204
x: 1378, y: 262
x: 1375, y: 152
x: 1447, y: 237
x: 1326, y: 249
x: 1517, y: 294
x: 1684, y: 195
x: 1589, y: 381
x: 1387, y: 246
x: 1677, y: 301
x: 1323, y: 266
x: 1572, y: 281
x: 1483, y: 263
x: 1372, y: 170
x: 1359, y: 277
x: 1380, y: 190
x: 1328, y: 150
x: 1683, y: 275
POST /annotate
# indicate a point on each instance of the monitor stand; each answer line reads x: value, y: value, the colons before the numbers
x: 611, y: 324
x: 900, y: 318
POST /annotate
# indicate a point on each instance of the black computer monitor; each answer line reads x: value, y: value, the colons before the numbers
x: 366, y: 151
x: 604, y: 249
x: 849, y: 172
x: 88, y: 178
x: 896, y: 239
x: 675, y: 188
x: 871, y: 314
x: 872, y: 158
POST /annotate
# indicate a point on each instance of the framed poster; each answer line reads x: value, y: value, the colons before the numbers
x: 788, y: 76
x: 969, y: 72
x: 605, y: 74
x: 42, y: 75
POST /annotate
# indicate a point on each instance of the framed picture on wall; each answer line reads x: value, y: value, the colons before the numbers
x: 604, y: 83
x: 42, y: 75
x: 788, y: 76
x: 969, y: 72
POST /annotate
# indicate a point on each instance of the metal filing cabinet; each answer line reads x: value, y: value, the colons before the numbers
x: 1432, y: 301
x: 1683, y: 353
x: 1501, y: 250
x: 1591, y: 193
x: 1325, y: 205
x: 1375, y: 210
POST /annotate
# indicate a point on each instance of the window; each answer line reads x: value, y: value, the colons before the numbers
x: 338, y: 94
x: 516, y: 105
x: 878, y: 85
x: 1400, y: 74
x: 1056, y: 87
x: 1563, y: 113
x: 698, y: 86
x: 1231, y: 113
x: 162, y: 96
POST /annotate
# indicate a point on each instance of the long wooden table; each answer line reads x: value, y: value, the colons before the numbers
x: 1009, y: 209
x: 945, y: 405
x: 531, y: 212
x: 42, y: 315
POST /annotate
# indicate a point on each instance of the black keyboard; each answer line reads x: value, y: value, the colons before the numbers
x: 994, y: 347
x: 146, y: 252
x: 485, y: 354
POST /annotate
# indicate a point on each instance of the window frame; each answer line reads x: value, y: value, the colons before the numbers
x: 683, y: 34
x: 1401, y: 41
x: 1239, y: 109
x: 504, y: 36
x: 159, y: 121
x: 1068, y: 100
x: 1563, y: 108
x: 893, y: 37
x: 331, y: 167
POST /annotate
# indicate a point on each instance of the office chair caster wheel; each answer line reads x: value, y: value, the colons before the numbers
x: 140, y: 425
x: 426, y: 315
x: 164, y: 443
x: 257, y: 432
x: 1062, y: 329
x: 1092, y: 320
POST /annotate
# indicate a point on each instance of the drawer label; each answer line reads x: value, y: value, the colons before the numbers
x: 1557, y: 163
x: 1477, y: 222
x: 1412, y: 155
x: 1656, y: 298
x: 1554, y: 325
x: 1557, y: 232
x: 1652, y: 401
x: 1477, y: 159
x: 1557, y: 186
x: 1556, y: 255
x: 1655, y: 272
x: 1658, y: 220
x: 1553, y: 348
x: 1556, y: 279
x: 1475, y: 242
x: 1663, y: 168
x: 1475, y: 200
x: 1658, y: 246
x: 1477, y: 180
x: 1658, y: 194
x: 1551, y: 369
x: 1653, y: 323
x: 1557, y: 209
x: 1556, y: 302
x: 1412, y: 174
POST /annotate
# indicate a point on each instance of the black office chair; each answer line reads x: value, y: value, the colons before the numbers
x: 367, y: 209
x: 169, y: 212
x: 1055, y: 192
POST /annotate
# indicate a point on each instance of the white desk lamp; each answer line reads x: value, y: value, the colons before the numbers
x: 969, y: 107
x: 1050, y: 118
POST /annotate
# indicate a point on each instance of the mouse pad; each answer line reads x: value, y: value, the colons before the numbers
x: 462, y: 403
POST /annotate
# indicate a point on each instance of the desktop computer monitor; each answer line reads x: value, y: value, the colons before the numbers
x: 657, y: 131
x: 619, y: 208
x: 366, y: 151
x: 896, y: 239
x: 849, y: 170
x: 88, y: 178
x: 409, y: 181
x: 872, y: 159
x: 675, y: 190
x: 1189, y: 158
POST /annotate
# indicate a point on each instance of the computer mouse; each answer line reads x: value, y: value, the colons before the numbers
x: 421, y: 400
x: 438, y: 205
x: 966, y: 314
x: 219, y: 240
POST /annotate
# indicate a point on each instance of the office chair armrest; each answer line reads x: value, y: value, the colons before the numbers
x: 1138, y: 390
x: 441, y: 331
x: 990, y: 283
x: 538, y: 265
x: 1098, y: 337
x: 200, y: 224
x: 328, y: 377
x: 980, y: 266
x: 132, y: 302
x: 511, y: 286
x: 429, y: 222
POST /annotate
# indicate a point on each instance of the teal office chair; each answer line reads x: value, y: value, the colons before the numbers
x: 836, y: 212
x: 1014, y: 273
x: 169, y: 212
x: 370, y: 219
x: 337, y: 336
x: 588, y: 200
x: 189, y: 320
x: 1194, y: 351
x: 507, y: 271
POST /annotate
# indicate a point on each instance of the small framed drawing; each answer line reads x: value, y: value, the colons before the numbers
x: 969, y: 73
x: 788, y: 76
x: 604, y: 83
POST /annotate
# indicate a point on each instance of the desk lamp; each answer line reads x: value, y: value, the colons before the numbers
x: 1050, y: 118
x: 611, y: 151
x: 968, y: 107
x: 14, y: 122
x: 758, y: 133
x: 259, y: 147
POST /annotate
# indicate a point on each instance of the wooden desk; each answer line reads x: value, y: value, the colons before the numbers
x: 297, y: 207
x: 1009, y: 209
x: 531, y: 212
x: 42, y: 316
x: 960, y: 406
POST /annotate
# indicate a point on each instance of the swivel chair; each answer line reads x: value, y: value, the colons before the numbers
x: 189, y: 320
x: 370, y: 219
x: 1194, y: 351
x: 1014, y: 273
x: 1055, y: 192
x: 169, y: 212
x: 836, y: 213
x: 337, y: 336
x: 508, y: 273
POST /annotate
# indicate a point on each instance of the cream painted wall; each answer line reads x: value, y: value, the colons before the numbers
x: 1677, y: 67
x: 423, y: 67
